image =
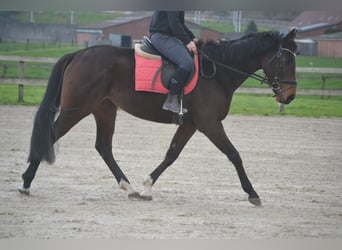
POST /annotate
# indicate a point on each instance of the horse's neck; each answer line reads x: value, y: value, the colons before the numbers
x: 243, y: 71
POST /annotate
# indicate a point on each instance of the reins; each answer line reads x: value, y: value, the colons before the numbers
x: 253, y: 75
x: 274, y: 85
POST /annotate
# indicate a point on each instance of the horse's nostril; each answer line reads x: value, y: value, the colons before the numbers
x: 290, y: 99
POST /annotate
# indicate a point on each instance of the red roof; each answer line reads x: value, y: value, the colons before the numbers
x: 309, y: 18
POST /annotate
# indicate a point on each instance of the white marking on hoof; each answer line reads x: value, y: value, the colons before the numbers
x: 147, y: 193
x: 124, y: 185
x: 25, y: 191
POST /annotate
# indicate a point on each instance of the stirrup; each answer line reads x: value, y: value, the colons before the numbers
x: 182, y: 110
x: 172, y: 103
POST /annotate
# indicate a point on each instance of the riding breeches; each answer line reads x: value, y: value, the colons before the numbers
x: 173, y: 49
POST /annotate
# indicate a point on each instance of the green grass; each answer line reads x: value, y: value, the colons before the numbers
x: 221, y: 27
x: 312, y: 106
x: 315, y: 61
x: 311, y: 80
x: 307, y: 106
x: 33, y: 95
x: 245, y: 104
x: 228, y: 27
x: 37, y: 49
x: 306, y: 81
x: 33, y: 70
x: 63, y: 17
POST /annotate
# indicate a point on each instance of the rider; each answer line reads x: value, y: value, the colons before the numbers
x: 174, y: 40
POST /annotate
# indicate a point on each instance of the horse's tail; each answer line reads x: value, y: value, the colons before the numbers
x: 43, y: 137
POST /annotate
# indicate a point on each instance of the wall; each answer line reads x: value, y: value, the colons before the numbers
x: 329, y: 48
x: 84, y: 38
x: 136, y: 29
x: 306, y: 48
x: 12, y: 31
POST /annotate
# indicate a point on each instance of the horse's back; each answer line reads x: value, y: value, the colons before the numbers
x: 106, y: 74
x: 93, y: 72
x: 103, y: 56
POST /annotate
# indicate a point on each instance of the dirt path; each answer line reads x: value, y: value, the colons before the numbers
x: 295, y: 165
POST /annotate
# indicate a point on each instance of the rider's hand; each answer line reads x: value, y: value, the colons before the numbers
x: 192, y: 47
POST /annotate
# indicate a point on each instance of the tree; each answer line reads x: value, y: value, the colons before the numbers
x: 251, y: 27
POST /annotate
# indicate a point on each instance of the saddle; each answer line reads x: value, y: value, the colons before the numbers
x: 148, y: 47
x: 153, y: 69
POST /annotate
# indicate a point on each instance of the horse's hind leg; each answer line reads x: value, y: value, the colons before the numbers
x: 65, y: 121
x: 28, y: 177
x: 105, y: 123
x: 179, y: 140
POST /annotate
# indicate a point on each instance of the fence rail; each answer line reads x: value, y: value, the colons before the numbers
x: 21, y: 80
x: 28, y: 59
x: 25, y: 81
x: 319, y: 70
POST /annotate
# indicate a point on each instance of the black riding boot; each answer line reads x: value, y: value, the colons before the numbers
x: 176, y: 84
x: 172, y: 103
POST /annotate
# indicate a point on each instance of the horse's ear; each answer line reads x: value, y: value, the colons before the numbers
x: 291, y: 35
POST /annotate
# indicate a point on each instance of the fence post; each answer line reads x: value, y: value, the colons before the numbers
x: 280, y: 107
x: 4, y: 70
x: 323, y: 85
x: 21, y: 85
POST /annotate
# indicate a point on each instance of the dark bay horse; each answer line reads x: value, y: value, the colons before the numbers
x: 99, y: 80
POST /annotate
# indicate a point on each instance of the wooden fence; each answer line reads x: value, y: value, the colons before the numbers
x: 21, y: 81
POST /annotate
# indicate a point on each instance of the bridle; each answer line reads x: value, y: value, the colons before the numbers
x: 278, y: 69
x: 275, y: 86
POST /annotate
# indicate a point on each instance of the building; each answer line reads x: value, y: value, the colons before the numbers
x: 120, y: 32
x: 329, y: 45
x: 319, y: 33
x: 123, y: 31
x: 316, y: 23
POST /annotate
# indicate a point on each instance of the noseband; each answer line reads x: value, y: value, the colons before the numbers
x: 263, y: 79
x: 278, y: 69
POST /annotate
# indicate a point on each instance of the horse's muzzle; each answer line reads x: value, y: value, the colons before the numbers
x: 285, y: 90
x: 289, y: 99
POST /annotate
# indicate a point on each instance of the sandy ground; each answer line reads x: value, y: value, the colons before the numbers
x: 295, y: 165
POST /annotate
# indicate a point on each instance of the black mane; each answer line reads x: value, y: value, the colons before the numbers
x: 239, y: 50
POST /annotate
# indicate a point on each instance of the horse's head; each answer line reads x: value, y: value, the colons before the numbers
x: 280, y: 68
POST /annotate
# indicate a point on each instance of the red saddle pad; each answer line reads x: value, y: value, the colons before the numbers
x: 145, y: 70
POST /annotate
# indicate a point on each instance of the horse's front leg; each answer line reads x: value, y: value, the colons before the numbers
x: 215, y: 132
x: 181, y: 137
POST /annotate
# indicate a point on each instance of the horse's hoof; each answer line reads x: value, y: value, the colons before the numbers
x: 255, y: 201
x: 25, y: 191
x: 146, y: 197
x: 134, y: 196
